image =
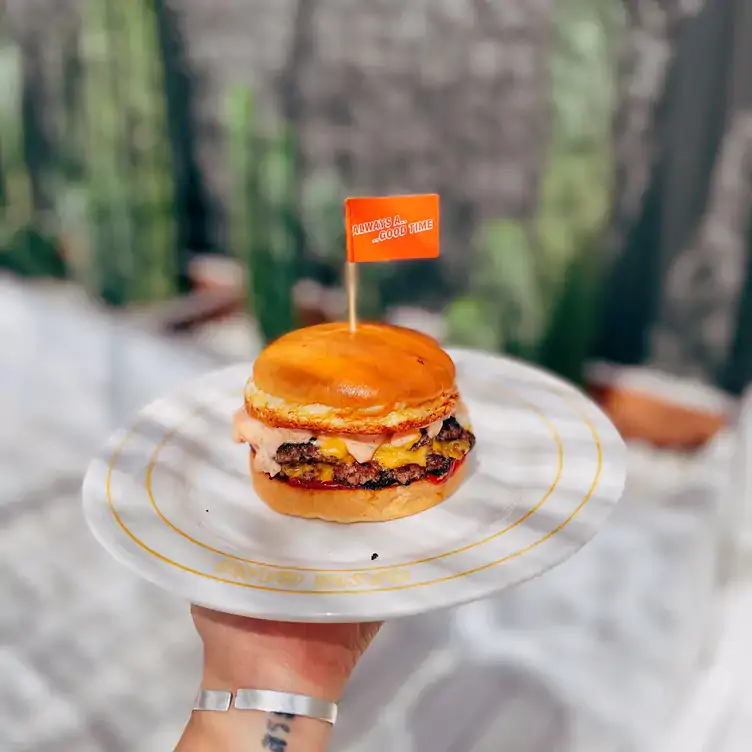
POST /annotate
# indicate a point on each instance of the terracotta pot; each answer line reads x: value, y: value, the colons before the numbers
x: 656, y: 419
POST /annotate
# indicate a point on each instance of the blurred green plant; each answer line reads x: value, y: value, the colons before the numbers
x: 322, y: 212
x: 127, y: 169
x: 533, y: 290
x: 285, y: 227
x: 35, y: 221
x: 534, y: 280
x: 503, y: 310
x: 32, y: 253
x: 576, y: 188
x: 573, y: 321
x: 72, y: 144
x: 472, y: 322
x: 27, y: 245
x: 265, y: 229
x: 15, y: 183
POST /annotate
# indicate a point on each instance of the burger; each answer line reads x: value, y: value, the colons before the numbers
x: 354, y: 426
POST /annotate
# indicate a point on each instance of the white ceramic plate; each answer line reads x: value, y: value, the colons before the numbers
x: 171, y: 498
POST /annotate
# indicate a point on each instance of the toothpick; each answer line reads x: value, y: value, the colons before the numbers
x: 352, y: 294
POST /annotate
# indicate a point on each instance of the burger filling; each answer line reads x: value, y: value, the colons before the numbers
x: 318, y: 461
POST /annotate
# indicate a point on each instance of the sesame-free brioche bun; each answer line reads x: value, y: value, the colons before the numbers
x: 374, y: 380
x: 356, y: 505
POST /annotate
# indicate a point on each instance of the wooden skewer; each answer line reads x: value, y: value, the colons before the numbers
x: 351, y: 284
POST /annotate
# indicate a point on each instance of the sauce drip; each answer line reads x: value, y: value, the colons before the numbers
x: 453, y: 468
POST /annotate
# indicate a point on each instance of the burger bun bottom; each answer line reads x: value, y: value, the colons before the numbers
x: 356, y: 505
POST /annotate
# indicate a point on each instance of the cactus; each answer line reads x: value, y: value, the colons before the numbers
x: 72, y: 144
x: 573, y: 321
x: 323, y: 196
x: 3, y: 189
x: 575, y: 187
x: 131, y: 202
x: 519, y: 269
x: 265, y: 228
x: 26, y: 247
x: 473, y: 322
x: 17, y: 205
x: 504, y: 293
x: 575, y: 194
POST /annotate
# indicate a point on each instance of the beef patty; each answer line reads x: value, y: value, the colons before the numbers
x: 371, y: 475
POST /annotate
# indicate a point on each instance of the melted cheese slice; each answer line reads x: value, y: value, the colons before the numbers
x: 333, y: 448
x: 323, y: 472
x: 390, y: 451
x: 455, y: 450
x: 390, y: 456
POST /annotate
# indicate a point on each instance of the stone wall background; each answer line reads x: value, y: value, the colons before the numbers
x: 617, y: 200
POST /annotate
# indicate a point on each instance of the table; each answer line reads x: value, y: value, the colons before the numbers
x: 592, y: 657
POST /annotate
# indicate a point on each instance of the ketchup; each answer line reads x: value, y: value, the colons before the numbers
x: 453, y: 468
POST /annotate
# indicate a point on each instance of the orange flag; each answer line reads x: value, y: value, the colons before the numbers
x: 388, y: 228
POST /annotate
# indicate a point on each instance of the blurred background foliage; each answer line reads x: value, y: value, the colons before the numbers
x: 534, y: 287
x: 105, y: 191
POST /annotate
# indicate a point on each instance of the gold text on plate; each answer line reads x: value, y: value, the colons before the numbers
x: 294, y: 580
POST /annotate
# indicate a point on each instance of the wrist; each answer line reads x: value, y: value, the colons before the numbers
x: 231, y: 720
x: 241, y: 730
x: 280, y: 677
x: 281, y: 662
x: 313, y: 660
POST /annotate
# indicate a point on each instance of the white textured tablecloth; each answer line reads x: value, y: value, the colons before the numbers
x: 592, y: 657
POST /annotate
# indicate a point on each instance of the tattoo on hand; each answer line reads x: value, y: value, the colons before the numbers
x: 277, y: 728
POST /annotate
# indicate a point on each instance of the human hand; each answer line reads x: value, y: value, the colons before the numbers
x: 312, y: 659
x: 241, y: 653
